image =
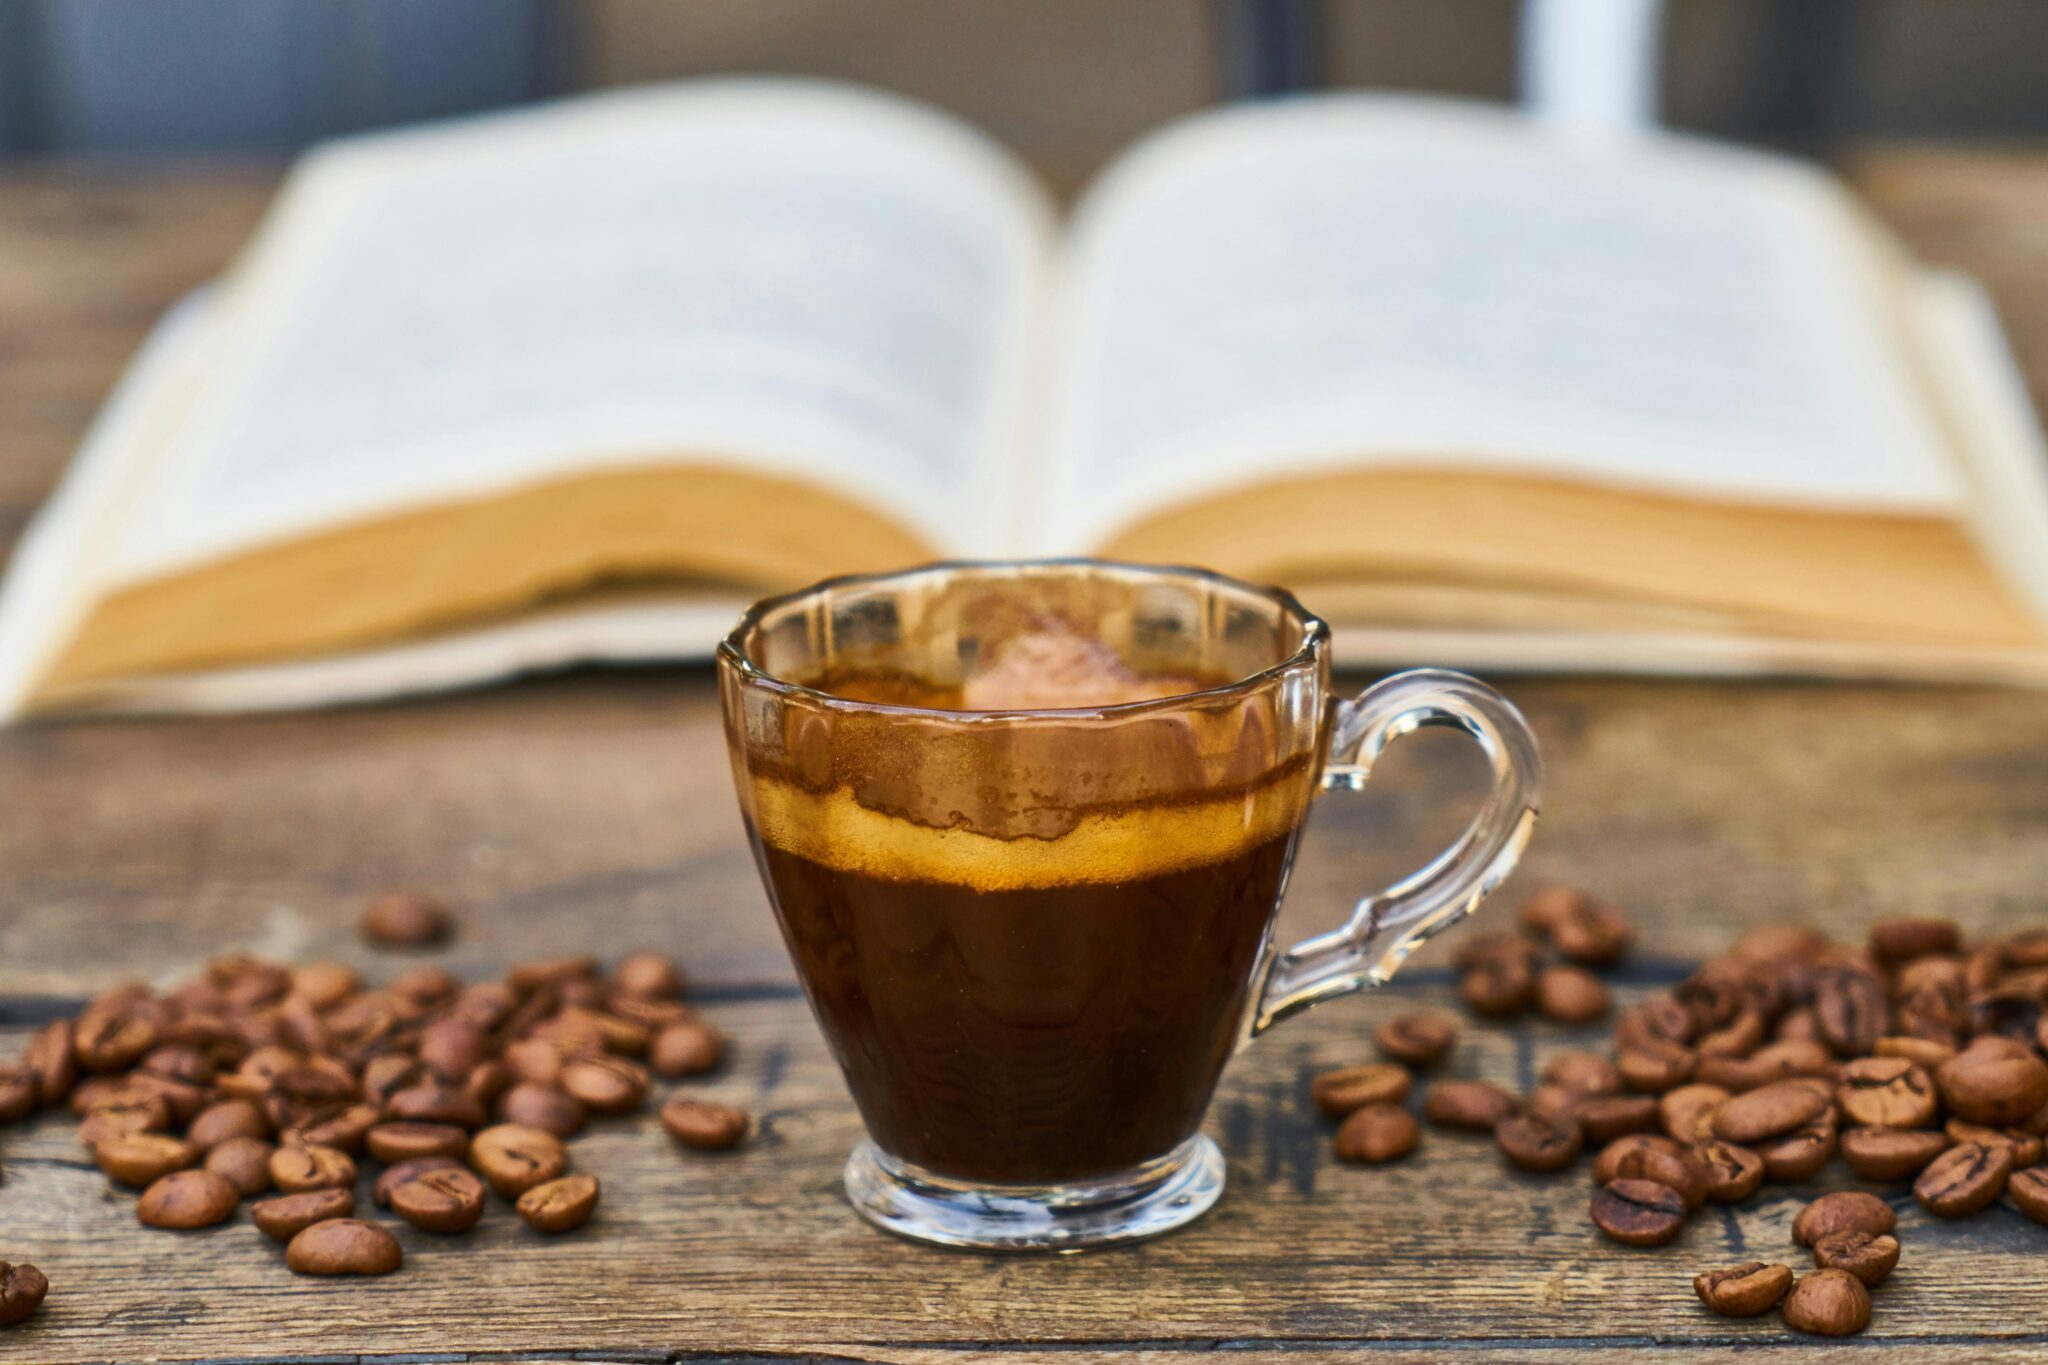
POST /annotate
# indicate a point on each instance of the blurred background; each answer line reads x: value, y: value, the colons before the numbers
x: 1066, y: 82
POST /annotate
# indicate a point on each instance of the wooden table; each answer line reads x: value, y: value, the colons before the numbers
x: 592, y: 811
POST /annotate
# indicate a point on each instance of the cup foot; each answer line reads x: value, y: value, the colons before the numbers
x: 1155, y: 1198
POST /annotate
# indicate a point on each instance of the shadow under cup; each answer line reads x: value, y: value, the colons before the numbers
x: 1031, y: 937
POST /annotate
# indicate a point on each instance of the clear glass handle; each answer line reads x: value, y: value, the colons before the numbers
x: 1385, y: 928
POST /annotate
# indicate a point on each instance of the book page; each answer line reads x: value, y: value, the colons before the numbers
x: 1360, y: 280
x: 781, y: 276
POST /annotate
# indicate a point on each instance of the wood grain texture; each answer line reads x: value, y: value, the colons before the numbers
x: 596, y: 808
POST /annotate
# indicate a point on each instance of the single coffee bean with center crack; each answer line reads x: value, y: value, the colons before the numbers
x: 1887, y: 1091
x: 1733, y: 1173
x: 296, y: 1169
x: 1849, y: 1006
x: 1645, y: 1157
x: 1588, y: 1073
x: 1416, y: 1039
x: 1536, y: 1140
x: 344, y: 1246
x: 1745, y: 1290
x: 1905, y: 937
x: 1604, y: 1118
x: 2029, y: 1192
x: 443, y: 1201
x: 1964, y: 1179
x: 1686, y: 1114
x: 1842, y: 1211
x: 1891, y: 1153
x: 1828, y: 1303
x: 1638, y: 1213
x: 685, y: 1047
x: 1655, y: 1066
x: 394, y: 1176
x: 1376, y: 1133
x: 1349, y: 1088
x: 1497, y: 987
x: 1869, y: 1257
x: 22, y: 1290
x: 395, y: 1142
x: 1994, y: 1085
x: 1478, y: 1105
x: 606, y: 1085
x: 187, y: 1199
x: 514, y: 1158
x: 559, y: 1205
x: 217, y: 1123
x: 1570, y: 995
x: 543, y: 1107
x: 703, y: 1124
x: 286, y: 1216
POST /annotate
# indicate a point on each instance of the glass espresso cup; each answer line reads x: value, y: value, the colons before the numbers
x: 1026, y: 827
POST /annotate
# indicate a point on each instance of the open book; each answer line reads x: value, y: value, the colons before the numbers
x: 575, y: 382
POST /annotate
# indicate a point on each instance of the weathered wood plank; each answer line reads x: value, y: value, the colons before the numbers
x: 757, y: 1250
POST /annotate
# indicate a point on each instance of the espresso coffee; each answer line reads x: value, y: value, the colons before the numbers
x: 1040, y: 1009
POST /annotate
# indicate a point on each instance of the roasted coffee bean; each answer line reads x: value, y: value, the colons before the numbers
x: 2029, y: 1191
x: 1554, y: 1099
x: 1738, y: 1038
x: 1376, y: 1133
x: 1537, y: 1141
x: 1888, y: 1092
x: 1891, y: 1153
x: 561, y: 1205
x: 141, y: 1159
x: 22, y: 1290
x: 394, y: 1176
x: 113, y: 1039
x: 1849, y: 1006
x: 1686, y: 1114
x: 395, y: 1142
x: 407, y: 919
x: 1922, y: 1052
x: 297, y: 1169
x: 1870, y: 1257
x: 1478, y: 1105
x: 1653, y: 1019
x: 344, y: 1246
x: 1604, y: 1118
x: 443, y: 1201
x: 1649, y: 1157
x: 1584, y: 928
x: 323, y: 985
x: 686, y: 1047
x: 542, y: 1107
x: 1655, y: 1067
x: 1782, y: 1060
x: 243, y: 1162
x: 143, y: 1114
x: 217, y: 1123
x: 435, y: 1102
x: 2026, y: 1147
x: 515, y: 1158
x: 649, y: 975
x: 491, y: 1079
x: 19, y: 1094
x: 1994, y: 1085
x: 1842, y: 1211
x: 1570, y: 995
x: 1588, y: 1073
x: 288, y: 1215
x: 1963, y: 1179
x: 1348, y: 1088
x: 1497, y: 988
x: 530, y: 976
x: 385, y: 1076
x: 1744, y: 1291
x: 340, y: 1126
x: 187, y: 1199
x: 452, y: 1048
x: 1828, y: 1303
x: 428, y: 985
x: 704, y: 1124
x: 1768, y: 1111
x: 1733, y: 1173
x: 1638, y: 1213
x: 606, y: 1085
x: 49, y: 1057
x: 1416, y: 1039
x: 652, y: 1015
x: 1905, y: 937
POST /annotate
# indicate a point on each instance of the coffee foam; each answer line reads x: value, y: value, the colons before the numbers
x: 1100, y: 847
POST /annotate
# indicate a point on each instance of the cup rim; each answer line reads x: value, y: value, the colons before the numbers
x: 1315, y: 638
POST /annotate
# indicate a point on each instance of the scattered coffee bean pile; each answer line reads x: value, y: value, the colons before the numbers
x: 257, y: 1079
x: 1915, y: 1059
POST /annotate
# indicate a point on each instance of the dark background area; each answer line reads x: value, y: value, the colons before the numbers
x: 1065, y: 81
